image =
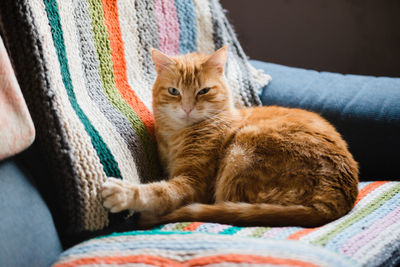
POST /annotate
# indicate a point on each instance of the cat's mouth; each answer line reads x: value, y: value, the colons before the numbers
x: 190, y: 119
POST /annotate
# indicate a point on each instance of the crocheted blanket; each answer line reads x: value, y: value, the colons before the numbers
x: 16, y: 127
x: 368, y: 236
x: 86, y: 72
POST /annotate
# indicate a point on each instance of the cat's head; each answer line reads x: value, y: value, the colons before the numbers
x: 190, y: 88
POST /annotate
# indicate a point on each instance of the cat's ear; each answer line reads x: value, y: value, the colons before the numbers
x: 217, y: 60
x: 161, y: 60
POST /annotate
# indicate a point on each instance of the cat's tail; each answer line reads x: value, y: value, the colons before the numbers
x: 245, y: 214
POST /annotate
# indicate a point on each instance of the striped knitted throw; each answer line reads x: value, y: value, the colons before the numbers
x: 368, y: 236
x: 86, y: 72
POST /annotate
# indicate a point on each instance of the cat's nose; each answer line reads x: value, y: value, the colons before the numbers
x: 187, y: 110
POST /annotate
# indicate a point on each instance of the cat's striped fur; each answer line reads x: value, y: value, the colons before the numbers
x: 270, y: 166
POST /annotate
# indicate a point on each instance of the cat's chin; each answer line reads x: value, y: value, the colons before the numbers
x: 187, y: 122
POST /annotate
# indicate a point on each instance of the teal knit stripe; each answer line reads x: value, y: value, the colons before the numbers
x: 110, y: 166
x: 231, y: 230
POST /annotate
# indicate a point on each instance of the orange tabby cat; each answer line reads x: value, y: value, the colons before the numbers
x: 269, y: 166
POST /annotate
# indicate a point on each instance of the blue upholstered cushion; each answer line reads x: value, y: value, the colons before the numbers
x: 27, y: 233
x: 364, y: 109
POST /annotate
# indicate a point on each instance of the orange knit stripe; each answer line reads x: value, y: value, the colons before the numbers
x: 146, y: 259
x: 367, y: 189
x: 301, y: 233
x: 243, y: 258
x: 110, y: 10
x: 192, y: 226
x: 363, y: 192
x: 160, y: 261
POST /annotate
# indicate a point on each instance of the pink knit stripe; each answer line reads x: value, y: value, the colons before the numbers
x: 168, y: 26
x: 364, y: 237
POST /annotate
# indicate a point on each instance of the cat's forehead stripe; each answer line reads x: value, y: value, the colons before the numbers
x: 189, y: 75
x: 189, y: 68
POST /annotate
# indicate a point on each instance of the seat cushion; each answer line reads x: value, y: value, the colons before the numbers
x: 28, y: 236
x: 369, y: 234
x: 364, y: 109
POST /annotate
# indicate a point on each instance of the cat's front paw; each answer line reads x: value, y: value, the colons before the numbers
x: 118, y: 195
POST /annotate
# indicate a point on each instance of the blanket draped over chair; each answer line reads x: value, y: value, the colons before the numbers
x: 86, y: 72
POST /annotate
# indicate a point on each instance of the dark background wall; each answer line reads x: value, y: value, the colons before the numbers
x: 347, y: 36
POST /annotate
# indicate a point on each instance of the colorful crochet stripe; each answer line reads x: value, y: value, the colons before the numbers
x: 86, y: 71
x: 368, y: 235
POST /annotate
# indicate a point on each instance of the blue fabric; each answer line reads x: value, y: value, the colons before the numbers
x: 187, y: 26
x: 27, y: 233
x: 364, y: 109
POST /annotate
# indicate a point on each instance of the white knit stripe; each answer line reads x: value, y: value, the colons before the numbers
x: 232, y: 71
x: 371, y: 254
x: 106, y: 130
x: 246, y: 231
x: 271, y: 248
x: 365, y: 202
x: 180, y: 255
x: 235, y: 72
x: 133, y: 56
x: 204, y: 38
x: 193, y: 236
x: 86, y: 160
x: 186, y: 255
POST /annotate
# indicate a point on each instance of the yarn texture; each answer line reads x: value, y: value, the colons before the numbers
x: 85, y: 69
x: 368, y: 236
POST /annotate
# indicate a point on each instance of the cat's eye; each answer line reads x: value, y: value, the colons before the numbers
x: 203, y: 91
x: 173, y: 91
